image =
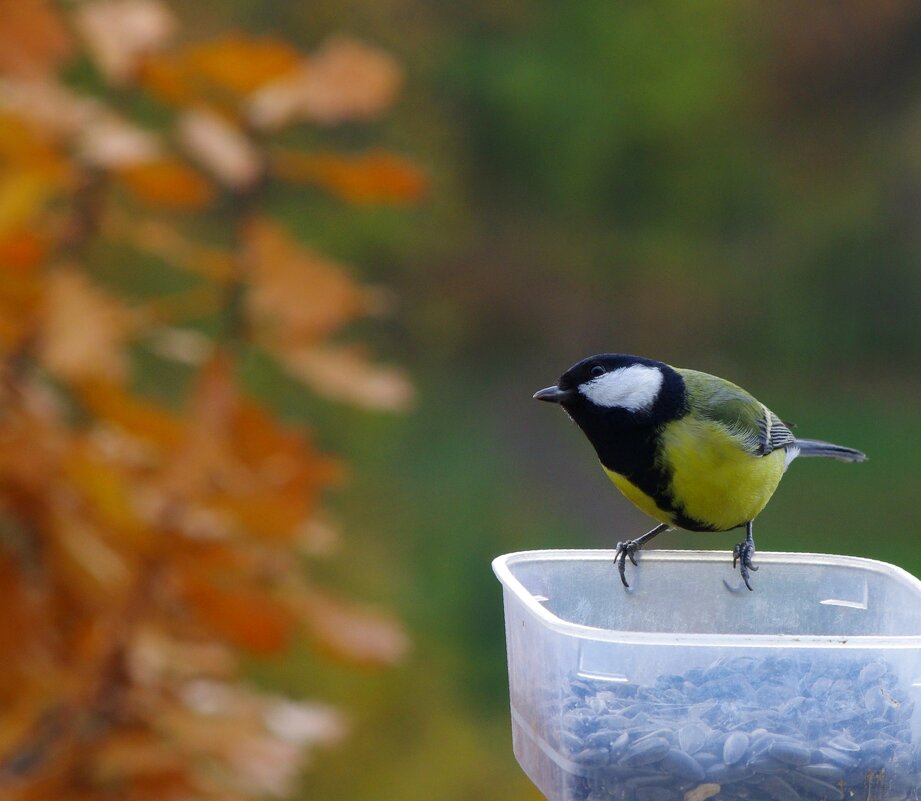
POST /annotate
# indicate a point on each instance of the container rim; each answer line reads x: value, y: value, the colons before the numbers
x: 501, y: 566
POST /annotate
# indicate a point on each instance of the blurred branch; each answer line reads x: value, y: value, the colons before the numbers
x: 73, y: 724
x: 75, y: 232
x: 164, y: 541
x: 82, y: 223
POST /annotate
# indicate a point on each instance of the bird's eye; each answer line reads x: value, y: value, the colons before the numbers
x: 597, y: 370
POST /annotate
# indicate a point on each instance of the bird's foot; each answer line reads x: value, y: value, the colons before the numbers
x: 625, y: 550
x: 742, y: 555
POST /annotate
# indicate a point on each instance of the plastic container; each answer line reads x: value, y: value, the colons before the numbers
x: 688, y: 687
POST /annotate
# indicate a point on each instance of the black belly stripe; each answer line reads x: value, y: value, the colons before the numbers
x: 633, y: 454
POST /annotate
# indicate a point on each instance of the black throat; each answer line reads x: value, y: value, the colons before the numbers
x: 628, y: 442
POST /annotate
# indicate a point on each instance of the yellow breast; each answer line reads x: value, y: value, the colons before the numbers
x: 715, y: 480
x: 637, y: 497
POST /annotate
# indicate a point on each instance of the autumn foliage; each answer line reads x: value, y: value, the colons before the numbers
x: 145, y: 548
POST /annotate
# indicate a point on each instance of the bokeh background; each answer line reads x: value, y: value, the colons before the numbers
x: 734, y: 187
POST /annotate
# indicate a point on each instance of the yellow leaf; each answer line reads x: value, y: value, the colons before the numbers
x: 33, y: 39
x: 372, y: 177
x: 298, y: 296
x: 33, y: 176
x: 109, y: 499
x: 344, y: 81
x: 119, y: 33
x: 343, y: 373
x: 166, y: 183
x: 84, y: 329
x: 21, y: 141
x: 23, y: 194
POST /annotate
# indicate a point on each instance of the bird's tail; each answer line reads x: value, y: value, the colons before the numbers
x: 815, y: 447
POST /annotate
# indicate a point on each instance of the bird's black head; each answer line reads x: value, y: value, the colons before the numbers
x: 616, y: 390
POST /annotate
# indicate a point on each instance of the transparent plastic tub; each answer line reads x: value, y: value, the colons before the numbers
x: 689, y: 687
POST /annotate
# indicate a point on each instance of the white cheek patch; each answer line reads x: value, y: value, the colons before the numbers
x: 633, y: 388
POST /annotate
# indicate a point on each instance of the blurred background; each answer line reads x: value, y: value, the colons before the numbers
x: 734, y: 187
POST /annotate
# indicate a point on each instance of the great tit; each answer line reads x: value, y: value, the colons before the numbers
x: 691, y: 450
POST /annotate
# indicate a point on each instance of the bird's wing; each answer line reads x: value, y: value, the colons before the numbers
x: 757, y: 429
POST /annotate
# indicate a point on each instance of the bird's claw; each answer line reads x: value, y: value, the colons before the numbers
x: 742, y: 555
x: 625, y: 550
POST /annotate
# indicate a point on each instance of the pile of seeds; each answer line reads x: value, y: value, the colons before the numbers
x: 809, y: 727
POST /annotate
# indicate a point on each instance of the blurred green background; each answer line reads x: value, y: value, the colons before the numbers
x: 729, y: 186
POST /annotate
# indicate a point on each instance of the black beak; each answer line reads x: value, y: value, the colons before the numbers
x: 555, y: 395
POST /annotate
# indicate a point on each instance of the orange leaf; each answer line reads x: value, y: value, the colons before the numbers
x: 218, y: 72
x: 344, y: 81
x: 131, y: 415
x: 238, y: 472
x: 343, y: 373
x: 269, y: 516
x: 297, y: 295
x: 373, y: 177
x: 94, y: 571
x: 285, y: 456
x: 33, y: 437
x: 84, y: 328
x: 130, y: 755
x: 242, y: 64
x: 204, y: 462
x: 247, y: 617
x: 165, y: 77
x: 167, y: 243
x: 167, y: 183
x: 24, y: 617
x: 21, y: 251
x: 33, y: 39
x: 360, y: 635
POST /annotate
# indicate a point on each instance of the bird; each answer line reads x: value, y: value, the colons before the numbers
x: 690, y: 449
